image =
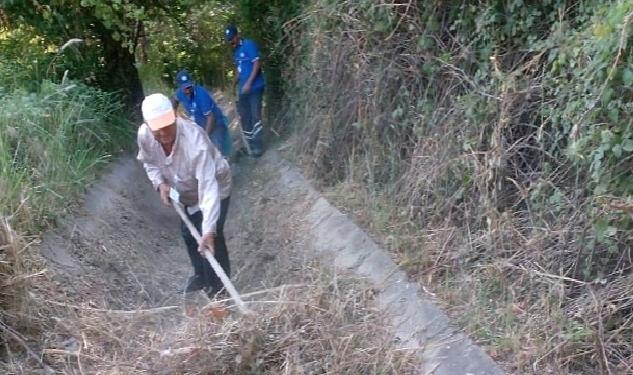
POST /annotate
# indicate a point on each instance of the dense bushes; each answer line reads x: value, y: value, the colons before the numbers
x: 54, y: 135
x: 194, y: 42
x: 53, y: 130
x: 491, y: 144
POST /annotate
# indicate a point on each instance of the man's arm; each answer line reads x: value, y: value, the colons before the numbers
x: 206, y: 105
x: 252, y: 51
x: 257, y: 65
x: 154, y: 174
x: 236, y: 84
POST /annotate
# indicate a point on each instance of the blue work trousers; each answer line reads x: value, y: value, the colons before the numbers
x: 250, y: 110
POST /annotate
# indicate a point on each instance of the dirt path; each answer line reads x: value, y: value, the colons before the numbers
x: 123, y: 247
x: 123, y: 251
x: 119, y: 264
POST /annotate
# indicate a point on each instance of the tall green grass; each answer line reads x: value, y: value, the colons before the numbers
x: 52, y: 143
x: 55, y: 134
x: 54, y: 137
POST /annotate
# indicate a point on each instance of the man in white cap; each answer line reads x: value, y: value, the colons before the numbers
x: 176, y: 153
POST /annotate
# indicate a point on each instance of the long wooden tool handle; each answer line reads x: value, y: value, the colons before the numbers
x: 214, y: 263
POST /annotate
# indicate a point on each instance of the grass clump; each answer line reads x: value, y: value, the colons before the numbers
x: 51, y: 143
x: 329, y: 325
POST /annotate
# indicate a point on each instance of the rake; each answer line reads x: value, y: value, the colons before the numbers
x: 175, y: 198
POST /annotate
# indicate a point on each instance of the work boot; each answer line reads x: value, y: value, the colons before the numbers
x: 194, y: 284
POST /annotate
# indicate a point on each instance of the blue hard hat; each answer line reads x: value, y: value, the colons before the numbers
x: 230, y: 32
x: 183, y: 79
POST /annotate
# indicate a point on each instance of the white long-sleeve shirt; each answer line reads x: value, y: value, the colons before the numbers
x: 195, y: 168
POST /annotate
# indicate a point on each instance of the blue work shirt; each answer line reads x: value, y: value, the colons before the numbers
x: 245, y: 55
x: 199, y: 107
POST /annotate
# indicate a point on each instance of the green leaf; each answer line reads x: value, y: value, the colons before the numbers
x: 627, y: 145
x: 600, y: 189
x: 617, y: 150
x: 381, y: 26
x: 611, y: 231
x: 600, y: 227
x: 425, y: 42
x: 556, y: 198
x: 627, y: 77
x: 428, y: 68
x: 397, y: 113
x: 432, y: 24
x: 607, y: 95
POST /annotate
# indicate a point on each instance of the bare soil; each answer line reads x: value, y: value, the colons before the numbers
x: 111, y: 299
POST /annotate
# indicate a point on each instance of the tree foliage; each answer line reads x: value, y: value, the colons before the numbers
x: 110, y: 31
x: 194, y: 41
x: 266, y: 22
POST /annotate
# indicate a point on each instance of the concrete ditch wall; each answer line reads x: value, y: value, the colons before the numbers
x: 416, y: 320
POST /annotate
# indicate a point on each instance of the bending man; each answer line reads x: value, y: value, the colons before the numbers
x: 201, y: 108
x: 176, y: 153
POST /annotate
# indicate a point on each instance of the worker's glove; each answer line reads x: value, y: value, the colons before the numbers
x: 206, y: 243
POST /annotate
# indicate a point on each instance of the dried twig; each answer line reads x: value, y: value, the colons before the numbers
x: 600, y: 342
x: 17, y: 337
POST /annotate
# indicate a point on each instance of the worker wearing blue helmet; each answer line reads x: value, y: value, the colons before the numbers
x: 200, y: 107
x: 250, y: 80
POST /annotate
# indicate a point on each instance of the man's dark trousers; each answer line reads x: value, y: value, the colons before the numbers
x: 250, y: 109
x: 200, y: 265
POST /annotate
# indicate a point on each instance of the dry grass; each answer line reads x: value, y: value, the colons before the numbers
x: 9, y: 266
x: 326, y: 326
x: 20, y: 269
x: 465, y: 181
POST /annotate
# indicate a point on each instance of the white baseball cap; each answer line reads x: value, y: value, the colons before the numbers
x: 157, y: 111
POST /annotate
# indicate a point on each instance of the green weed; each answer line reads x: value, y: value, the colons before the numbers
x: 52, y: 143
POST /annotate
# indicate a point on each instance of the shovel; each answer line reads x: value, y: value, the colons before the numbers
x: 175, y: 198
